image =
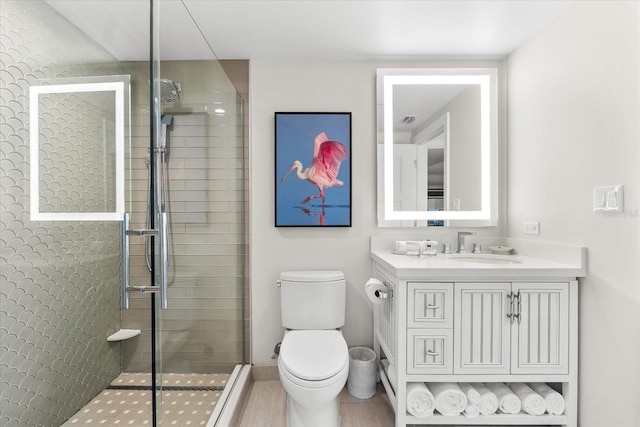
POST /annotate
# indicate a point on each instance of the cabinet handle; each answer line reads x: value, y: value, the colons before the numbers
x: 514, y: 299
x: 432, y: 353
x: 432, y: 306
x: 510, y: 314
x: 518, y: 307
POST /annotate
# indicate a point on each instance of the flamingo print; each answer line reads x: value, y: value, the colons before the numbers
x: 323, y: 172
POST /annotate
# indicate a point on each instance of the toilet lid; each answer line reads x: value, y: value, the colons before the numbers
x: 314, y: 355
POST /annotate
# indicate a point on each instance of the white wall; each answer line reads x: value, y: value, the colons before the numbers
x: 574, y: 114
x: 302, y: 86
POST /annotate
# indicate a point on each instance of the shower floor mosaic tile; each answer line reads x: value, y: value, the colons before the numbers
x: 133, y: 408
x: 189, y: 381
x: 187, y: 400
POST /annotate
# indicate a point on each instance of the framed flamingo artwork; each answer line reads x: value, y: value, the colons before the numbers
x: 313, y: 169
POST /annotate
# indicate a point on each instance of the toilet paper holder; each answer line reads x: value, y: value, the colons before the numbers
x: 383, y: 293
x: 378, y: 291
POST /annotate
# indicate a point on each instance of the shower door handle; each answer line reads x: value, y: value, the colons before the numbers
x: 163, y: 237
x: 142, y: 232
x: 162, y: 288
x: 124, y: 263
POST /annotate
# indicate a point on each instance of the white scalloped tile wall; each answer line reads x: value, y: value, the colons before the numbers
x: 59, y: 297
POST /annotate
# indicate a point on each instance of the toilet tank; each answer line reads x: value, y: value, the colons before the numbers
x: 312, y: 299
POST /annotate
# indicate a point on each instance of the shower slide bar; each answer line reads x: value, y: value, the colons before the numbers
x: 162, y: 288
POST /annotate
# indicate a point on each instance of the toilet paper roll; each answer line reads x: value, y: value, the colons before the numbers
x: 372, y: 289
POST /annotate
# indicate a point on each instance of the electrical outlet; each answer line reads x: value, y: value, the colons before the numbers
x: 531, y: 227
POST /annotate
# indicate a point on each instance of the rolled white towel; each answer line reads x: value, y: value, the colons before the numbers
x: 508, y: 402
x: 470, y: 391
x: 450, y: 400
x: 420, y: 401
x: 532, y: 402
x: 553, y: 400
x: 471, y: 411
x: 488, y: 400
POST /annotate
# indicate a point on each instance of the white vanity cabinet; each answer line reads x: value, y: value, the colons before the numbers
x: 512, y: 328
x: 455, y: 322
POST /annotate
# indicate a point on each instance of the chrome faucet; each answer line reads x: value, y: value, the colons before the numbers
x: 461, y: 236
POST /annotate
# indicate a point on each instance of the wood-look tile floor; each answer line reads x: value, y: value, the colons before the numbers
x: 267, y: 402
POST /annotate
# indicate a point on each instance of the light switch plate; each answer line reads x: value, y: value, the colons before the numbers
x: 608, y: 198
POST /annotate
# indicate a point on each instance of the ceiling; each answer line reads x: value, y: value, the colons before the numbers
x: 313, y: 29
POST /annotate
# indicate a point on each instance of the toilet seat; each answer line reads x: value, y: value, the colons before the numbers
x: 313, y: 355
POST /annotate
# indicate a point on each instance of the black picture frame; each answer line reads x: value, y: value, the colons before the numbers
x: 313, y: 169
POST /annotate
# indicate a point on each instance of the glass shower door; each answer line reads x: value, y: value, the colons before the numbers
x: 188, y: 185
x: 202, y: 171
x: 145, y: 236
x: 145, y: 263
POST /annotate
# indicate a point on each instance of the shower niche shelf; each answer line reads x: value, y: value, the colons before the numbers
x: 124, y: 334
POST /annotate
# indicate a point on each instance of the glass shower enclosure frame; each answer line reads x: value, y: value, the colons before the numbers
x: 165, y: 233
x: 110, y: 200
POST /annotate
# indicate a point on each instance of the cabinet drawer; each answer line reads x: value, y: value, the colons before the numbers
x: 430, y: 305
x: 430, y: 351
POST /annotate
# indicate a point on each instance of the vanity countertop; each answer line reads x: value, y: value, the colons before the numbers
x: 472, y: 266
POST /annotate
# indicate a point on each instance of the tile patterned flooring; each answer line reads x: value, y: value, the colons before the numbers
x: 187, y: 400
x: 190, y: 381
x: 133, y: 408
x: 266, y: 407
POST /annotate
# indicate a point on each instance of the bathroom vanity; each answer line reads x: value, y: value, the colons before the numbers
x: 478, y: 318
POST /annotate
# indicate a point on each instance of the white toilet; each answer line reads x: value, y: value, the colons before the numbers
x: 314, y: 357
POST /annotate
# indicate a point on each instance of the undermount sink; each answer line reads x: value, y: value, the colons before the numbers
x: 486, y: 259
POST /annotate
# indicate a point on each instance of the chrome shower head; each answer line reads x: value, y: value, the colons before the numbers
x: 169, y: 91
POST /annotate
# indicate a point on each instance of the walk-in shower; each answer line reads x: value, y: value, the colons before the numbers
x: 193, y: 189
x: 144, y: 303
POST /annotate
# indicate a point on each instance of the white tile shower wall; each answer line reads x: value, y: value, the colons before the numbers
x: 202, y: 331
x: 59, y: 295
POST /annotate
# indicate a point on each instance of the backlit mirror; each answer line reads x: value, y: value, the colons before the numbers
x: 78, y: 175
x: 437, y: 147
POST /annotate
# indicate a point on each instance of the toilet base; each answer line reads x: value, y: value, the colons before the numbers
x: 327, y: 415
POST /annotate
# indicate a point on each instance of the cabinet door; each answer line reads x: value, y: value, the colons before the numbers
x: 540, y: 335
x: 482, y: 329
